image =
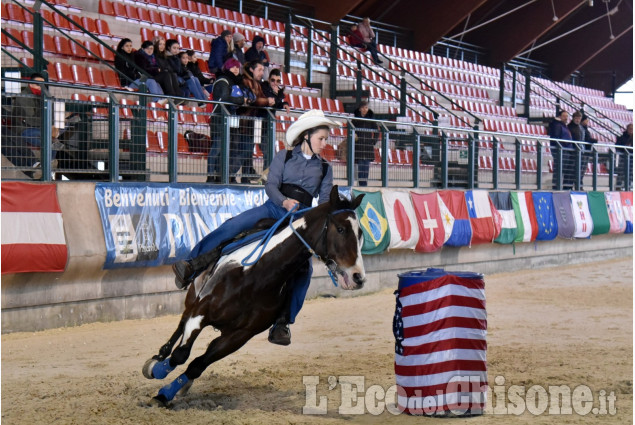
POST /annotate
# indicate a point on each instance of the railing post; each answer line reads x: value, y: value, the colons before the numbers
x: 271, y: 139
x: 471, y: 166
x: 578, y: 165
x: 514, y: 76
x: 350, y: 154
x: 518, y: 163
x: 287, y: 42
x: 45, y: 135
x: 495, y: 162
x: 138, y: 135
x: 224, y: 147
x: 39, y: 63
x: 611, y: 169
x: 595, y: 169
x: 384, y: 155
x: 173, y: 133
x: 309, y: 57
x: 527, y: 100
x: 416, y: 154
x: 628, y: 170
x: 358, y: 82
x: 403, y: 95
x: 113, y: 139
x: 501, y: 87
x: 444, y: 161
x: 539, y: 166
x: 557, y: 165
x: 333, y: 62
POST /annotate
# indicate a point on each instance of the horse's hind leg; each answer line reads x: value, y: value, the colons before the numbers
x: 158, y: 367
x: 220, y: 347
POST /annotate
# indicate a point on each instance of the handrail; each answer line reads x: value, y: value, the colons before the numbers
x: 6, y: 52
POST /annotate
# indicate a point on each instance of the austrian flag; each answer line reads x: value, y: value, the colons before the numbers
x: 32, y: 229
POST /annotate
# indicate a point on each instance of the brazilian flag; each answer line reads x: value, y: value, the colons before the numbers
x: 372, y: 218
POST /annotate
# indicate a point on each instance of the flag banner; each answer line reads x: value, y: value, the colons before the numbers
x: 440, y: 329
x: 429, y: 220
x: 448, y: 219
x: 502, y: 202
x: 545, y: 216
x: 402, y: 220
x: 454, y: 200
x: 372, y: 219
x: 481, y: 218
x: 33, y: 237
x: 616, y: 214
x: 525, y: 216
x: 150, y: 224
x: 564, y: 214
x: 627, y: 207
x: 599, y: 213
x: 581, y: 215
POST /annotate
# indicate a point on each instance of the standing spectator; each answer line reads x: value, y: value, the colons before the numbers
x: 257, y: 52
x: 192, y: 66
x: 189, y: 84
x: 368, y: 36
x: 239, y: 44
x: 129, y: 76
x: 252, y: 77
x: 578, y: 134
x: 218, y: 52
x: 273, y: 88
x: 364, y: 141
x: 228, y: 87
x: 558, y: 130
x: 587, y: 154
x: 626, y: 139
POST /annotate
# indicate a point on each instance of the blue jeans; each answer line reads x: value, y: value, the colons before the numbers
x: 193, y: 87
x: 363, y: 166
x: 33, y: 137
x: 153, y: 87
x: 241, y: 154
x: 299, y: 282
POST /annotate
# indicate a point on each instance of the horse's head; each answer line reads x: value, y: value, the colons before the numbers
x: 342, y: 246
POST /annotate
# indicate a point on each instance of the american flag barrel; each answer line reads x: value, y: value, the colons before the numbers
x: 440, y: 328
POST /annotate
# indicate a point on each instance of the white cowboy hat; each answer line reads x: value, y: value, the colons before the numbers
x: 310, y: 119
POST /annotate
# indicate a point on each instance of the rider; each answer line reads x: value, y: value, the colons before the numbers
x: 296, y: 176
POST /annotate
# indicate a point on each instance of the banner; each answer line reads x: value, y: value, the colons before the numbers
x: 454, y: 200
x: 502, y: 201
x: 150, y: 224
x: 599, y: 213
x: 429, y: 221
x: 481, y: 218
x: 545, y: 216
x: 404, y: 232
x: 372, y: 219
x: 616, y: 214
x: 627, y: 207
x: 581, y: 215
x: 33, y: 237
x: 564, y: 214
x: 525, y: 216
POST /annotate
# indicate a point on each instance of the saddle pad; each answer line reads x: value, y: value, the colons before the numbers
x: 236, y: 245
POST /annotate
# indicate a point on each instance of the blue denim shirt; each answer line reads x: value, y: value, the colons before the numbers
x: 306, y: 173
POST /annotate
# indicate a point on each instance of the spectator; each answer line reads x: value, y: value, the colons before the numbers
x: 364, y: 141
x: 189, y: 85
x: 129, y: 75
x: 273, y: 88
x: 228, y: 87
x: 355, y: 37
x: 368, y: 36
x: 257, y: 52
x: 578, y: 134
x: 239, y: 44
x: 626, y: 139
x: 192, y: 66
x: 558, y: 130
x: 147, y: 61
x: 252, y: 77
x: 218, y: 53
x: 587, y: 154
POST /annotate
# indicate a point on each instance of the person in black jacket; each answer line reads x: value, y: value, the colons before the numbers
x: 228, y: 87
x: 169, y: 76
x: 129, y: 75
x: 193, y: 67
x: 273, y: 88
x: 626, y: 139
x: 147, y: 61
x: 365, y: 139
x: 188, y: 83
x: 257, y: 52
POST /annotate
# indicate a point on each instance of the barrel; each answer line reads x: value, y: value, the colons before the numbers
x: 440, y: 328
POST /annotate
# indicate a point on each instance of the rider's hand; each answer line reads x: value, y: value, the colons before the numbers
x: 289, y: 204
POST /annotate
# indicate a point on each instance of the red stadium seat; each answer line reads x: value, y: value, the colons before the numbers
x: 103, y: 28
x: 64, y: 73
x: 95, y: 77
x: 15, y: 13
x: 80, y: 75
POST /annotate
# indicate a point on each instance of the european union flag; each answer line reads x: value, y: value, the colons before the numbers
x: 545, y: 216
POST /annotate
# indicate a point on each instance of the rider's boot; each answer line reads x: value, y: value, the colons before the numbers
x: 184, y: 273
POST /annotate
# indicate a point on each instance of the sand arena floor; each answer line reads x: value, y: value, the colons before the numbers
x: 565, y: 326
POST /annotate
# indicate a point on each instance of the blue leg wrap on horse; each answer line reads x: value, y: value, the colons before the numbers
x: 161, y: 369
x: 169, y: 391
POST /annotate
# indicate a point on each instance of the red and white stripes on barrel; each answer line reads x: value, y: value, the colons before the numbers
x: 440, y: 327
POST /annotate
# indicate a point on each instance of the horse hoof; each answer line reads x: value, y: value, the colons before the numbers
x: 147, y: 368
x: 159, y: 401
x: 183, y: 391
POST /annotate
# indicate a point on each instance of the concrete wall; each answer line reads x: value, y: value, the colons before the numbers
x: 86, y: 293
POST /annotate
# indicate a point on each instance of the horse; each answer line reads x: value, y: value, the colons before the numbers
x: 242, y: 301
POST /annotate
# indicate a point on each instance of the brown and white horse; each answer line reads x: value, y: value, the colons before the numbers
x: 242, y: 301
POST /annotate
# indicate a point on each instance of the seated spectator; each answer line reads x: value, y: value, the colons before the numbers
x: 355, y: 38
x: 192, y: 66
x: 147, y: 61
x: 129, y: 75
x: 218, y: 52
x: 239, y: 45
x: 189, y: 85
x: 257, y: 52
x: 368, y: 37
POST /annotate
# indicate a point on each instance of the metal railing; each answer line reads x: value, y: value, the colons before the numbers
x: 111, y: 135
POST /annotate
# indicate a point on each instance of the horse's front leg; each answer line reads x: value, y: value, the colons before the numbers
x: 158, y: 367
x: 225, y: 344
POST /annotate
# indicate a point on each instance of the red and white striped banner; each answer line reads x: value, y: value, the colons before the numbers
x: 32, y: 229
x: 440, y: 358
